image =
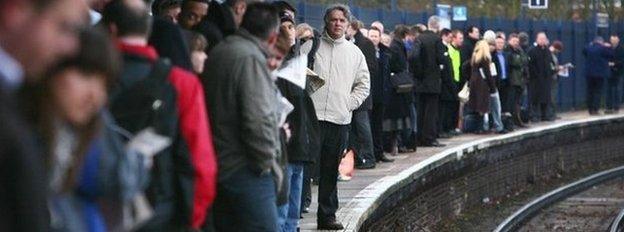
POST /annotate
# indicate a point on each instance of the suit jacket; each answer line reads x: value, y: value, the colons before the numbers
x: 431, y: 51
x: 23, y: 204
x: 499, y: 68
x: 368, y: 49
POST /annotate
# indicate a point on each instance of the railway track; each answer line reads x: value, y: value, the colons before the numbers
x: 589, y: 204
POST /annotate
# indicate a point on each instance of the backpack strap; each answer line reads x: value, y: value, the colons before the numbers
x: 161, y: 69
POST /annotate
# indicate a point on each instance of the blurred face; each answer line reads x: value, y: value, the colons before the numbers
x: 37, y: 40
x: 275, y: 61
x: 78, y: 96
x: 541, y: 39
x: 337, y: 24
x: 172, y: 14
x: 514, y: 42
x: 475, y: 33
x: 386, y: 40
x: 292, y: 31
x: 614, y: 41
x: 458, y: 40
x: 192, y: 14
x: 500, y: 44
x: 378, y: 25
x: 198, y: 58
x: 375, y: 37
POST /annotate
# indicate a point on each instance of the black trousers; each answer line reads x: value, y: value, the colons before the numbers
x: 427, y: 117
x: 448, y: 118
x: 361, y: 138
x: 333, y: 143
x: 594, y: 93
x: 376, y: 118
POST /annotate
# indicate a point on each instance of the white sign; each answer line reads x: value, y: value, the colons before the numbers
x: 460, y: 13
x: 444, y: 12
x: 538, y: 4
x: 602, y: 20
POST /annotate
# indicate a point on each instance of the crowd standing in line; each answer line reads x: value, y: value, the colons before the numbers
x: 208, y: 116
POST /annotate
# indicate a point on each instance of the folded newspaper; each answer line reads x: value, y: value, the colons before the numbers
x: 298, y: 73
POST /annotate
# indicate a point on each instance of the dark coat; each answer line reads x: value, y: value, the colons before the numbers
x: 597, y: 58
x: 431, y: 51
x: 302, y: 122
x: 395, y: 61
x: 618, y: 59
x: 368, y: 49
x: 170, y: 41
x: 518, y: 63
x: 467, y: 48
x: 499, y: 69
x: 540, y: 74
x: 23, y: 203
x: 212, y: 33
x: 448, y: 89
x: 481, y: 83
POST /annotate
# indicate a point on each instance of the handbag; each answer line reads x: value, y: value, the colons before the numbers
x: 402, y: 82
x: 464, y: 94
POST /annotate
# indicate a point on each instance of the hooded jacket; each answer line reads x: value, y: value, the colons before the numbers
x: 347, y: 80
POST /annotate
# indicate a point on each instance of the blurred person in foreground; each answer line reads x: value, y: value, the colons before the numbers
x: 34, y: 35
x: 153, y: 93
x: 93, y: 177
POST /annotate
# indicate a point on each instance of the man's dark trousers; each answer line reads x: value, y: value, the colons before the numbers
x: 361, y: 138
x: 428, y: 105
x: 613, y: 93
x: 333, y: 143
x: 377, y: 116
x: 594, y: 93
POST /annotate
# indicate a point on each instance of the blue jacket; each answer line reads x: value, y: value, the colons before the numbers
x: 597, y: 59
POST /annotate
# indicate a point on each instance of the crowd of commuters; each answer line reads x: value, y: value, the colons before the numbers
x: 195, y: 115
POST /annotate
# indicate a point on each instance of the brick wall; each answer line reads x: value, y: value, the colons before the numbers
x: 496, y: 172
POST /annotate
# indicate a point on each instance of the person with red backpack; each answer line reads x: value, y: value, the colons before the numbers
x: 151, y: 93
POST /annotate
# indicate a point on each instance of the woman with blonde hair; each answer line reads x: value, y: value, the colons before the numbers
x: 483, y: 91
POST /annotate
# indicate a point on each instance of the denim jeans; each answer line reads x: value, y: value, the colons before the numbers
x: 495, y: 114
x: 289, y: 213
x: 246, y: 202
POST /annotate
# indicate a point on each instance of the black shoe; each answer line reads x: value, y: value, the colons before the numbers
x: 433, y: 144
x: 384, y: 159
x: 444, y: 135
x: 365, y: 165
x: 330, y: 225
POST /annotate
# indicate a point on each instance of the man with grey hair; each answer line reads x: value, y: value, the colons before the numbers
x: 432, y: 55
x: 347, y: 82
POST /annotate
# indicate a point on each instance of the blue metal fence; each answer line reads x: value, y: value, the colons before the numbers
x: 574, y: 35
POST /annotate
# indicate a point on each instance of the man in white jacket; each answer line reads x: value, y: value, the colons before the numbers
x: 347, y: 84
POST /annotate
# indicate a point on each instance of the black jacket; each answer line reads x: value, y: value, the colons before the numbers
x: 368, y: 49
x: 448, y: 89
x: 618, y: 59
x: 467, y: 49
x: 23, y: 204
x: 170, y: 41
x: 212, y: 33
x: 499, y: 69
x: 397, y: 104
x: 302, y: 122
x: 430, y: 50
x: 540, y: 74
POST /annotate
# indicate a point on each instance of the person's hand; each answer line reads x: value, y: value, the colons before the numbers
x: 287, y: 131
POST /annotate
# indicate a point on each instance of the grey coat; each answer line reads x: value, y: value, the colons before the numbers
x: 241, y: 96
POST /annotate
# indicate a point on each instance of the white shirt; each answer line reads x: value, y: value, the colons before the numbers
x: 11, y: 72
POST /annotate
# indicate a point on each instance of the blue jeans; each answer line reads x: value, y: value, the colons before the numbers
x: 246, y: 202
x: 495, y: 114
x: 290, y: 212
